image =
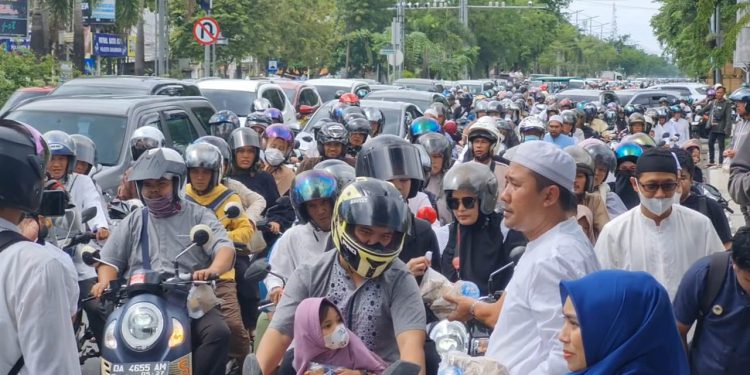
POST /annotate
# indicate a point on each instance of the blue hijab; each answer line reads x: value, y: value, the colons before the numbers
x: 627, y: 324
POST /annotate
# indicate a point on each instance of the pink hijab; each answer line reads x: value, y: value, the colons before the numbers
x: 309, y: 345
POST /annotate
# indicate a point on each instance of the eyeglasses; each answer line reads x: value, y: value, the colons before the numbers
x: 467, y: 202
x: 667, y: 187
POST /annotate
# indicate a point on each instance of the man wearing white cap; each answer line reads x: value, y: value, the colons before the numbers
x: 659, y: 236
x: 555, y: 133
x: 540, y: 203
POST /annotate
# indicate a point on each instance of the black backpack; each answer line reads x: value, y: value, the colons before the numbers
x: 717, y: 271
x: 8, y: 238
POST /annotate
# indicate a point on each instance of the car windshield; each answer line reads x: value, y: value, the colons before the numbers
x: 422, y: 104
x: 106, y: 131
x: 329, y: 92
x: 84, y: 89
x: 291, y: 94
x: 624, y: 96
x: 393, y: 119
x: 702, y: 90
x: 579, y: 98
x: 236, y: 101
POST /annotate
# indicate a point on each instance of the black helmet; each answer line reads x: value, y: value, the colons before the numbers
x: 359, y: 126
x: 60, y: 143
x: 205, y: 155
x: 351, y: 112
x: 742, y: 95
x: 590, y: 110
x: 481, y: 105
x: 244, y: 137
x: 158, y: 163
x: 343, y: 172
x: 495, y: 106
x: 628, y: 110
x: 260, y: 105
x: 375, y: 115
x: 145, y: 138
x: 389, y: 157
x: 568, y: 116
x: 373, y: 203
x: 584, y: 163
x: 222, y: 145
x: 311, y: 185
x: 437, y: 144
x: 222, y: 123
x: 257, y: 121
x: 476, y: 178
x: 23, y: 160
x: 332, y: 132
x: 85, y: 150
x: 603, y: 156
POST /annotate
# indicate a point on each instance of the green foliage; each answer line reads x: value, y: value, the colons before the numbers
x: 23, y: 69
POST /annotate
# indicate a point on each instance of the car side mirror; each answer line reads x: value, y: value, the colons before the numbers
x: 306, y: 109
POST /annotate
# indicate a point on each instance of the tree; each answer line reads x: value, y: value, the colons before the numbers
x: 23, y: 69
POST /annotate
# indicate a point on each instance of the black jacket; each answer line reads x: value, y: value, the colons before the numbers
x: 260, y: 182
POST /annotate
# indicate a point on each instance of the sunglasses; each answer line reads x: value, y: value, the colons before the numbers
x: 467, y: 202
x: 667, y: 187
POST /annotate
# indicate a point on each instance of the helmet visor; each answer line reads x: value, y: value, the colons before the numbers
x: 377, y: 211
x: 390, y: 163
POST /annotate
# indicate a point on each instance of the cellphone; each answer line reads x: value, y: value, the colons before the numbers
x: 53, y: 203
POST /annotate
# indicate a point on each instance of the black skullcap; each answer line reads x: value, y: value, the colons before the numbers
x: 657, y: 160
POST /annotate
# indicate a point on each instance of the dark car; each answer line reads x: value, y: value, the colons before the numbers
x: 304, y: 97
x: 647, y: 98
x: 23, y: 94
x: 110, y: 120
x: 420, y: 84
x: 423, y: 99
x: 127, y: 85
x: 397, y: 115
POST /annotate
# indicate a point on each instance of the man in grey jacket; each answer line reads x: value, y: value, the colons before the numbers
x: 718, y: 114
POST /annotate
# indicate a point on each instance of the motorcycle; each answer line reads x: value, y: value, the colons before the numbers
x: 149, y: 330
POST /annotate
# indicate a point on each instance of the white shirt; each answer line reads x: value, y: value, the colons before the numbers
x: 67, y: 262
x: 525, y: 338
x: 300, y: 244
x: 634, y: 242
x: 35, y: 310
x: 680, y: 127
x: 83, y: 194
x: 420, y: 200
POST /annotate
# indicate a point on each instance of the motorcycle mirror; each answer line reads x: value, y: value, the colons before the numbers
x: 257, y: 271
x: 200, y: 234
x: 232, y: 210
x: 402, y: 368
x: 88, y: 255
x: 88, y: 214
x: 516, y: 253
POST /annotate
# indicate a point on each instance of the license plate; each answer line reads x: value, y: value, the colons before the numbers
x: 151, y: 368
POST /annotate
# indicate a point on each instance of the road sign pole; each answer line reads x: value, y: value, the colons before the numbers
x: 207, y: 55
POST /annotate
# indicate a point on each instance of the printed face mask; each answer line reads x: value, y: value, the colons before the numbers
x: 338, y: 339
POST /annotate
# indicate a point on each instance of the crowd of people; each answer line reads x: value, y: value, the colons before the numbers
x: 623, y: 251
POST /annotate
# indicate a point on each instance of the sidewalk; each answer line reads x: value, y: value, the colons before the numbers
x: 719, y: 178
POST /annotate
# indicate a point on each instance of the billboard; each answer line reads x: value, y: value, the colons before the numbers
x: 109, y: 45
x: 103, y: 13
x: 14, y: 17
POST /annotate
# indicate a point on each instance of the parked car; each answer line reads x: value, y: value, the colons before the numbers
x: 398, y: 115
x: 423, y: 99
x: 237, y: 95
x: 584, y: 96
x: 384, y: 87
x: 477, y: 86
x: 304, y: 97
x: 647, y: 98
x: 420, y: 84
x: 127, y: 85
x: 332, y: 88
x: 23, y: 94
x: 110, y: 120
x: 694, y: 90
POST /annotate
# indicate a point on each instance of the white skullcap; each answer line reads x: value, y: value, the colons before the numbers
x: 548, y: 160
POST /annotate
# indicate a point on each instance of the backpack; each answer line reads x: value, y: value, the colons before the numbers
x: 717, y: 271
x: 7, y: 239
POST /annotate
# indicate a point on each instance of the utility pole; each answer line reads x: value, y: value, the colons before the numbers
x: 716, y: 30
x: 614, y: 21
x: 207, y: 49
x: 463, y: 12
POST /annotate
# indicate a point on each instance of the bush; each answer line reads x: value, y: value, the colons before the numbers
x: 24, y: 69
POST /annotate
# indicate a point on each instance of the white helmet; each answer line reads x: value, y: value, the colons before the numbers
x: 486, y: 127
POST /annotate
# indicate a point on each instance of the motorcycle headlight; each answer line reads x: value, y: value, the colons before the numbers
x: 142, y: 325
x: 178, y: 334
x: 450, y: 336
x: 109, y: 336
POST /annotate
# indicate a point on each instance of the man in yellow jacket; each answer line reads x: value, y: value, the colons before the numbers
x: 204, y: 163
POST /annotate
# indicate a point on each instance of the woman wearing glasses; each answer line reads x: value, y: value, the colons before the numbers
x: 477, y: 246
x: 658, y: 236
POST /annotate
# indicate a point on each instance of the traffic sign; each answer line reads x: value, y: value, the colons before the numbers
x: 396, y: 59
x: 273, y: 66
x: 206, y: 31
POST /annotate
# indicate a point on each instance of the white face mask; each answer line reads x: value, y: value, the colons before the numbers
x: 658, y: 206
x: 338, y: 339
x: 274, y: 157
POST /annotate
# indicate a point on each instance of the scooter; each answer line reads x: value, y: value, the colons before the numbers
x: 149, y: 330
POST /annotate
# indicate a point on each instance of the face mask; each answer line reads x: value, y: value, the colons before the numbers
x: 274, y: 157
x: 162, y: 207
x: 658, y: 206
x: 531, y: 138
x: 338, y: 339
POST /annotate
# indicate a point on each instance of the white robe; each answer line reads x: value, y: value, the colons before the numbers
x: 525, y: 338
x: 634, y: 242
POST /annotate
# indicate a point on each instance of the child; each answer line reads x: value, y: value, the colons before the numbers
x: 320, y: 336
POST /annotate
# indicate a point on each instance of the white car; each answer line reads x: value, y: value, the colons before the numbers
x: 237, y: 95
x: 330, y: 88
x: 694, y: 90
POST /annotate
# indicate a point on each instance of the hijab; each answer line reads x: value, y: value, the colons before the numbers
x: 627, y: 324
x: 624, y: 189
x: 309, y: 345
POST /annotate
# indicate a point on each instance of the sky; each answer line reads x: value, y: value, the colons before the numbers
x: 633, y: 18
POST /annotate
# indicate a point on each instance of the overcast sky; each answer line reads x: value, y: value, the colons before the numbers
x: 633, y: 18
